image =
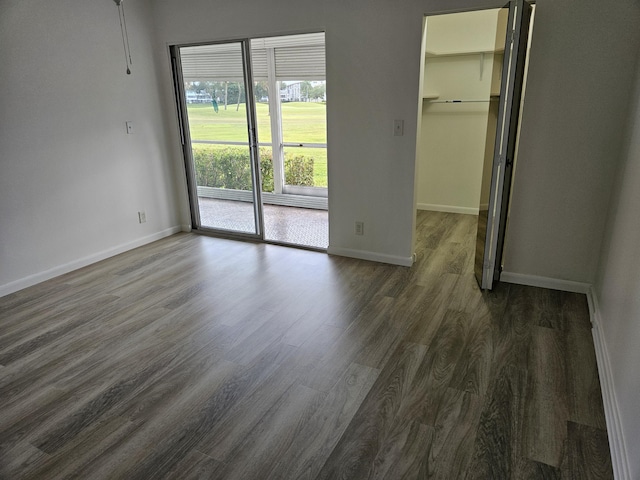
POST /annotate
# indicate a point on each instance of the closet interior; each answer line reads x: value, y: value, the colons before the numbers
x: 460, y: 98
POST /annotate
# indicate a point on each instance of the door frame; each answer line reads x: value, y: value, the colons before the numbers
x: 503, y: 198
x: 488, y: 268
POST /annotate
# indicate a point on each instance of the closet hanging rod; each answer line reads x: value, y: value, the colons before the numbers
x: 462, y: 101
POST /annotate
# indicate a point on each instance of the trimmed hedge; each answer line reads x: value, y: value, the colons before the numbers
x: 230, y: 167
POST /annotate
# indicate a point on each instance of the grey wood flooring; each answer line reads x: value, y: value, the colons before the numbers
x: 196, y: 357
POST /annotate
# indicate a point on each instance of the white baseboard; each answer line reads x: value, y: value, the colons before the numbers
x: 372, y: 256
x: 619, y: 457
x: 545, y: 282
x: 31, y: 280
x: 447, y: 208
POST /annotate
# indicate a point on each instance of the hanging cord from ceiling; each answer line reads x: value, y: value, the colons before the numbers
x: 125, y: 35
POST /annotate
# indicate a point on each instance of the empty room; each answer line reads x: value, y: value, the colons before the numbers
x: 143, y: 338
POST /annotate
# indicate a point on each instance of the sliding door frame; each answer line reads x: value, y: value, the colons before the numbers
x: 185, y: 138
x: 253, y: 139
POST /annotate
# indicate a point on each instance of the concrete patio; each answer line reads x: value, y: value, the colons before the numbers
x: 290, y: 225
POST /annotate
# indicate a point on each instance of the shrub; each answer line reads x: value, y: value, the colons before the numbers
x: 298, y: 170
x: 230, y: 167
x: 266, y: 170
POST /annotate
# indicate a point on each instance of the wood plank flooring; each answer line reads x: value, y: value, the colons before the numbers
x: 196, y: 357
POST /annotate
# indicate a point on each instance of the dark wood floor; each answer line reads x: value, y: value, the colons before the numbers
x: 196, y: 357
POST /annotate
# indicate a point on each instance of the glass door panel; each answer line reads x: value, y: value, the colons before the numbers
x: 263, y: 121
x: 291, y: 119
x: 304, y: 135
x: 219, y: 137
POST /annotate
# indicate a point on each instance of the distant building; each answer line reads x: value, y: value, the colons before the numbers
x: 198, y: 97
x: 291, y: 93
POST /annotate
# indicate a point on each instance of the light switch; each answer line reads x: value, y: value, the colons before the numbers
x: 398, y: 128
x: 129, y: 127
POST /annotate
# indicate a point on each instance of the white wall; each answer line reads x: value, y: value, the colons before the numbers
x: 453, y: 136
x: 71, y: 180
x: 575, y: 108
x: 463, y: 32
x: 618, y: 287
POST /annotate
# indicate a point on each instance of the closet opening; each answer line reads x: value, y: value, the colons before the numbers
x: 472, y: 81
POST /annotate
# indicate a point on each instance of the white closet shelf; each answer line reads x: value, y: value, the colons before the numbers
x: 454, y: 53
x: 464, y: 100
x: 430, y: 96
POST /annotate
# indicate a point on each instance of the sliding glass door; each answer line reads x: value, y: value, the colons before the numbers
x: 253, y: 126
x: 219, y: 136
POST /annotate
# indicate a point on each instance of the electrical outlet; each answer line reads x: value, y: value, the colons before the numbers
x: 359, y: 228
x: 142, y: 217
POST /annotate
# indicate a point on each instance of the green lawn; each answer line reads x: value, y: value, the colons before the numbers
x: 301, y: 122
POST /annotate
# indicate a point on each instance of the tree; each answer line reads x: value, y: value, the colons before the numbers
x: 260, y: 90
x: 305, y: 90
x: 317, y: 92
